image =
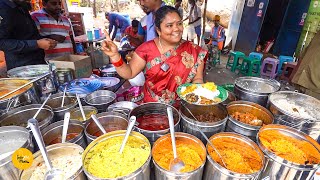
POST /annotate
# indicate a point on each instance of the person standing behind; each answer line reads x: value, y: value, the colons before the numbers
x: 132, y: 33
x: 118, y: 21
x: 217, y: 33
x: 142, y: 27
x: 194, y: 19
x: 19, y: 37
x: 52, y: 24
x: 177, y: 5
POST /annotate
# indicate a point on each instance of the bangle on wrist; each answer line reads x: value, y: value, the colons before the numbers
x: 118, y: 63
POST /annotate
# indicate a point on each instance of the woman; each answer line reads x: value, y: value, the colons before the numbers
x: 167, y: 61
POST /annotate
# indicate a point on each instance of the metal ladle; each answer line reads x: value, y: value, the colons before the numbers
x: 95, y: 119
x: 132, y: 122
x: 81, y: 108
x: 65, y: 127
x: 52, y: 173
x: 64, y: 95
x: 41, y: 107
x: 210, y: 143
x: 176, y: 164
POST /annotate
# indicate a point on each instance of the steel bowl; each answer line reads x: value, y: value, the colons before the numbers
x: 70, y: 102
x: 124, y: 107
x: 255, y: 89
x: 75, y: 114
x: 100, y: 99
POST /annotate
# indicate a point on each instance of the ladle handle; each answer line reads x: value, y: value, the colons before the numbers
x: 33, y: 124
x: 95, y: 119
x: 64, y: 95
x: 65, y: 127
x: 42, y: 105
x: 171, y: 125
x: 81, y: 108
x: 132, y: 121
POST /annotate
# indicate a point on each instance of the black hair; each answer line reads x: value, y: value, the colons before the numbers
x: 106, y: 14
x: 135, y: 23
x: 46, y: 1
x: 161, y: 13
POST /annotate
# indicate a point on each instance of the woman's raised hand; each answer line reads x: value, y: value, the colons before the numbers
x: 110, y: 48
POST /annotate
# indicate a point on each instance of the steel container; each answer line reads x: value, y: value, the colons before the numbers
x: 54, y: 131
x: 70, y: 102
x: 255, y: 89
x: 124, y: 107
x: 26, y: 96
x: 231, y: 98
x: 310, y: 104
x: 143, y: 173
x: 155, y: 108
x: 277, y: 168
x: 233, y: 125
x: 44, y: 86
x: 163, y: 174
x: 65, y: 75
x: 75, y: 114
x: 111, y: 121
x: 189, y: 124
x: 20, y: 116
x: 109, y: 71
x: 213, y: 170
x: 100, y: 99
x: 56, y: 151
x: 11, y: 139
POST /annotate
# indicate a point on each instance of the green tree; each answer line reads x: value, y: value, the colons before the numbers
x: 169, y: 2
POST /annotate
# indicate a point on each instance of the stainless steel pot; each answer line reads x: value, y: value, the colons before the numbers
x: 155, y: 108
x: 25, y: 96
x: 57, y: 151
x: 65, y: 75
x: 163, y: 174
x: 44, y: 86
x: 255, y: 89
x: 20, y: 116
x: 248, y: 130
x: 213, y: 170
x: 188, y: 123
x: 109, y: 71
x: 100, y: 99
x: 111, y: 121
x: 277, y: 168
x: 143, y: 173
x: 124, y: 107
x: 283, y: 116
x: 55, y: 101
x: 11, y: 139
x: 75, y: 114
x: 54, y: 131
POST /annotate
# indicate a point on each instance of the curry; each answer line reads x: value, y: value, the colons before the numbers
x: 191, y: 153
x: 289, y: 148
x: 105, y: 161
x: 238, y: 156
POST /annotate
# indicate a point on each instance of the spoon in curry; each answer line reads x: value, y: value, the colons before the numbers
x: 176, y: 164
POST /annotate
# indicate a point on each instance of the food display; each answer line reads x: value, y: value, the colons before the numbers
x: 191, y: 153
x: 68, y: 138
x: 291, y: 149
x: 7, y: 86
x: 153, y: 122
x: 238, y: 156
x: 104, y: 160
x: 209, y: 117
x: 76, y: 114
x: 56, y: 102
x: 247, y: 118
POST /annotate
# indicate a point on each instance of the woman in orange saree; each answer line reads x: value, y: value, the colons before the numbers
x: 167, y: 61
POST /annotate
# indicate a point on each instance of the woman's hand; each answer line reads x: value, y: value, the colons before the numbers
x: 110, y: 48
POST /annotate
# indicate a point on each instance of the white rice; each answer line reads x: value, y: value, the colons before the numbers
x: 290, y: 107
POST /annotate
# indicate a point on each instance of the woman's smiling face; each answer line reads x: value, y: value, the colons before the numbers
x: 171, y: 28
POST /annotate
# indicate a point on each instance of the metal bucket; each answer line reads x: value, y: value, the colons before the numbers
x: 143, y: 173
x: 54, y: 131
x: 124, y: 107
x: 56, y: 151
x: 282, y: 116
x: 281, y: 169
x: 155, y: 108
x: 100, y: 99
x: 255, y: 89
x: 111, y: 121
x: 163, y: 174
x: 213, y: 170
x: 11, y: 139
x: 75, y: 114
x: 70, y: 102
x: 20, y: 116
x: 188, y: 124
x: 24, y: 96
x: 248, y: 130
x: 44, y: 86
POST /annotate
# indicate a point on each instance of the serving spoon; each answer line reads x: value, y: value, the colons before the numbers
x: 176, y: 164
x: 132, y: 122
x: 52, y: 173
x: 64, y: 95
x: 81, y: 108
x: 41, y: 107
x: 95, y: 119
x: 65, y: 127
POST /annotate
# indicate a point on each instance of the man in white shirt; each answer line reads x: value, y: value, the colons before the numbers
x: 194, y: 19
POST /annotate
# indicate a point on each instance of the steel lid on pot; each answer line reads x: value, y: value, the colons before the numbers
x: 9, y: 84
x: 30, y: 71
x: 257, y: 85
x: 289, y: 146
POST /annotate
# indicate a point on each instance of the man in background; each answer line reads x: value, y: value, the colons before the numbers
x: 142, y: 28
x: 52, y: 24
x: 132, y: 33
x: 19, y: 36
x: 117, y: 21
x: 217, y: 33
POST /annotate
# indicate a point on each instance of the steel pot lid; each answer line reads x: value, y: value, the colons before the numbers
x: 296, y: 105
x: 108, y: 68
x: 30, y: 71
x: 82, y: 86
x: 122, y: 105
x: 258, y: 85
